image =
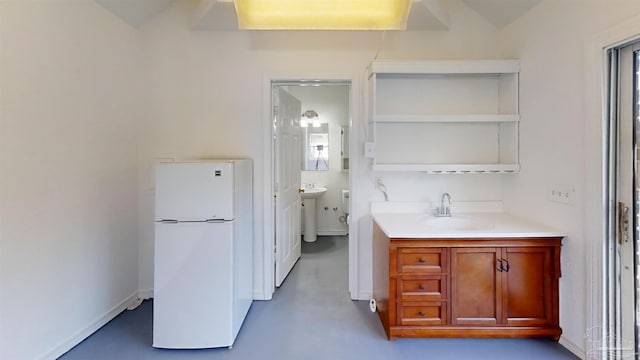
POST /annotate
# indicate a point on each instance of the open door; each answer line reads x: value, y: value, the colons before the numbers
x: 288, y: 166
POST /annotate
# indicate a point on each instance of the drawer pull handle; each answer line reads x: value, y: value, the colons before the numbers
x: 420, y: 313
x: 422, y: 261
x: 420, y: 287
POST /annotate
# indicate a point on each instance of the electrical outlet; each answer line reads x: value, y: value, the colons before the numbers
x: 369, y: 150
x: 561, y: 194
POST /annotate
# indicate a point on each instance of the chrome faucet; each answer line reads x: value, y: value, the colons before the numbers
x: 444, y: 211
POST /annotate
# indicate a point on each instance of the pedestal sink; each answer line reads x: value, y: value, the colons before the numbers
x: 309, y: 197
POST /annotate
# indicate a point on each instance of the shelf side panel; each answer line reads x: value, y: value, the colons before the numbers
x: 508, y: 94
x: 509, y: 143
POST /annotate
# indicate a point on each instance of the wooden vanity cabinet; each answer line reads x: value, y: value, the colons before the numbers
x: 502, y: 287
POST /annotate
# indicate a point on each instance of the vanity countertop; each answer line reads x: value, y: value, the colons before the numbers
x: 460, y: 225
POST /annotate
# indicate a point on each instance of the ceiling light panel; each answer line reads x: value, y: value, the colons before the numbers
x: 322, y: 14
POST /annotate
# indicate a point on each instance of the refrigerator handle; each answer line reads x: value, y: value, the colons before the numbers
x: 214, y: 221
x: 169, y: 221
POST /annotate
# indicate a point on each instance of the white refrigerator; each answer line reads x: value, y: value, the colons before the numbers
x: 203, y: 252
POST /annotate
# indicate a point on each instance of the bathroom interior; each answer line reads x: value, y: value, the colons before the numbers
x: 324, y: 174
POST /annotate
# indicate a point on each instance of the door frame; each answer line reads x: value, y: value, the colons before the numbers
x: 596, y: 179
x: 625, y: 190
x: 355, y: 105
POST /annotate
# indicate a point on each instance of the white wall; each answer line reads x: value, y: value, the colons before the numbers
x: 207, y: 100
x: 332, y: 104
x: 69, y: 110
x: 550, y: 42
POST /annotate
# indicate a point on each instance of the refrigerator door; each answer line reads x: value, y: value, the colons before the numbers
x: 194, y: 191
x: 193, y: 285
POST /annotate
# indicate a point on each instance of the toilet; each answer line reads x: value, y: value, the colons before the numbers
x: 345, y: 204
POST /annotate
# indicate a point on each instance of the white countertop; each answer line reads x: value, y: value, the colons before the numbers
x: 460, y: 225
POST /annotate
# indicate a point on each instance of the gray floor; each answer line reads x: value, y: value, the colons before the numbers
x: 310, y: 317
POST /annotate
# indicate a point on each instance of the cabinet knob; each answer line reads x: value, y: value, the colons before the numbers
x: 420, y: 287
x: 420, y: 313
x: 422, y: 261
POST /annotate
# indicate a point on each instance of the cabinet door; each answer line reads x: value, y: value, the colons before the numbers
x: 527, y: 286
x: 475, y: 287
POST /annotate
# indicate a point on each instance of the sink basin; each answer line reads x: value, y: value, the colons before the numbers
x: 313, y: 193
x: 309, y: 196
x: 457, y: 223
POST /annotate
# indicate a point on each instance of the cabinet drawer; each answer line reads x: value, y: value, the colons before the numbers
x: 424, y: 261
x: 424, y: 314
x: 426, y: 288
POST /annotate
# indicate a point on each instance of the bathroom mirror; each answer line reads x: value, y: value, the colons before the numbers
x: 315, y: 150
x: 344, y: 150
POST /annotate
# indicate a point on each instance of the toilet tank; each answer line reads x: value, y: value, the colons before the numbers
x: 345, y: 200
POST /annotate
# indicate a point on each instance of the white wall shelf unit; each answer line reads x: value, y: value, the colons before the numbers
x: 444, y: 117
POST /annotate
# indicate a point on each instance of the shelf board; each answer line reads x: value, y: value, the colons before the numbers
x: 445, y: 67
x: 493, y: 118
x: 451, y: 168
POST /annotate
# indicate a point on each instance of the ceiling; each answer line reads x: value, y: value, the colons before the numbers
x: 220, y: 14
x: 501, y: 12
x: 135, y: 12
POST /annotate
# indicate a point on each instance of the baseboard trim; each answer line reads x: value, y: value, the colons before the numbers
x: 259, y: 295
x: 77, y: 338
x: 333, y: 232
x: 148, y: 294
x: 145, y: 294
x: 575, y: 349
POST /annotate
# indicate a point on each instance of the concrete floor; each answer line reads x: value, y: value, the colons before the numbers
x: 310, y: 317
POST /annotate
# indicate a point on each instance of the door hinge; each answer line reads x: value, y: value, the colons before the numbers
x: 275, y: 110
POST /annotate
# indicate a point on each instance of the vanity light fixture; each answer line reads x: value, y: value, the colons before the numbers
x: 310, y: 115
x: 322, y: 14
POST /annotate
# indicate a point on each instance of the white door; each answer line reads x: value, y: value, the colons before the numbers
x: 627, y: 192
x: 288, y: 165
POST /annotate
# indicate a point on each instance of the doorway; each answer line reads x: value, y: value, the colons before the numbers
x: 310, y: 136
